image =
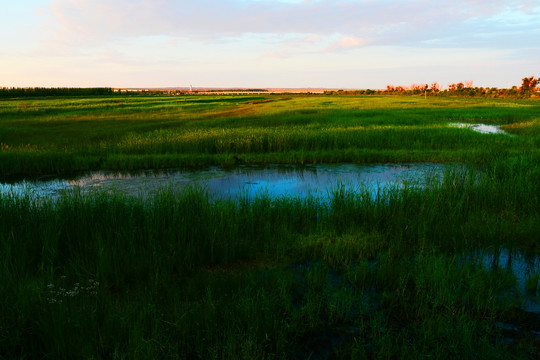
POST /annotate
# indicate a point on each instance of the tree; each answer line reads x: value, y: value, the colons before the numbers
x: 528, y: 84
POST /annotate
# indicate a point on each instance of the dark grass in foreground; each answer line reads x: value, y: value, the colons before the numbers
x: 62, y: 136
x: 183, y: 276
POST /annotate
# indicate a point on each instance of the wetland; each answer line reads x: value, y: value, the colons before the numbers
x: 349, y: 230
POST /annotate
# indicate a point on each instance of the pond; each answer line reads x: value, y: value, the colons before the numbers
x: 275, y: 180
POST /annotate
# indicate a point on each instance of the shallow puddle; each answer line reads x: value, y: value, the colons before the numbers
x: 481, y: 128
x: 525, y: 268
x: 522, y: 266
x: 277, y: 180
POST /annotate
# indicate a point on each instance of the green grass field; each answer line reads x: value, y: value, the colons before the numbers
x: 69, y: 135
x: 182, y: 276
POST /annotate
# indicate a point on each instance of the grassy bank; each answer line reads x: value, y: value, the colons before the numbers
x: 183, y: 276
x: 70, y: 135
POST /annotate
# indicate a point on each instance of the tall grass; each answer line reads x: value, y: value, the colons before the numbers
x: 183, y: 275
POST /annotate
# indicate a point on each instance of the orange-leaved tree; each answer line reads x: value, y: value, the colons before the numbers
x: 528, y: 84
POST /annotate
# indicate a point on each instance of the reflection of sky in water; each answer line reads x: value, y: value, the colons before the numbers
x: 517, y: 263
x: 481, y: 128
x: 317, y: 180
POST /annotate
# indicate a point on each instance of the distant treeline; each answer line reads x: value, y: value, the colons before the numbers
x: 528, y: 88
x: 466, y: 92
x: 232, y: 90
x: 41, y: 91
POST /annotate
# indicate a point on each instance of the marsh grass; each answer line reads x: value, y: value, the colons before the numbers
x: 184, y: 275
x: 531, y: 285
x: 180, y: 274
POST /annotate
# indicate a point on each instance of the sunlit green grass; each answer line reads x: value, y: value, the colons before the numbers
x: 70, y: 135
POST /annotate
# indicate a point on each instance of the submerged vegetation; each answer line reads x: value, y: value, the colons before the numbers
x: 183, y: 275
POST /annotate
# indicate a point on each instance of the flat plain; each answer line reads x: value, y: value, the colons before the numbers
x: 70, y: 135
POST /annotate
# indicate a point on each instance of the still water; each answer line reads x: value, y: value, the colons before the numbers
x: 481, y: 128
x: 275, y: 180
x: 523, y: 266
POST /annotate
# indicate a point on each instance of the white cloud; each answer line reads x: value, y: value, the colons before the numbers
x: 349, y: 42
x: 96, y: 20
x: 105, y: 41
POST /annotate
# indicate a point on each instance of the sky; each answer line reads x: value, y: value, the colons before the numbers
x: 348, y: 44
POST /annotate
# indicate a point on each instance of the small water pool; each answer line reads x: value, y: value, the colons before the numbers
x: 481, y: 128
x: 275, y: 180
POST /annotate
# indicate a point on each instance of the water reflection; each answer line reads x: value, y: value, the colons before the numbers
x: 277, y: 180
x: 481, y: 128
x: 521, y: 265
